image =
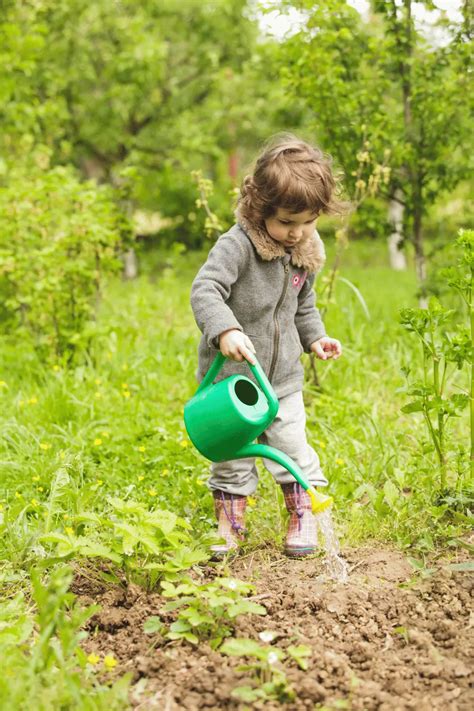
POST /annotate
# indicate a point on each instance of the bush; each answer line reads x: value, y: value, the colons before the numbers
x: 59, y: 238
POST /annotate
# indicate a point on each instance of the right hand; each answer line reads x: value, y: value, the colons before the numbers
x: 236, y: 345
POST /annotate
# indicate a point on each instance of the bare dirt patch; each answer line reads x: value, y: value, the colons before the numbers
x: 378, y: 642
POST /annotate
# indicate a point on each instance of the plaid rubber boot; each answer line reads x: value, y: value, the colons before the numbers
x: 301, y: 538
x: 230, y: 511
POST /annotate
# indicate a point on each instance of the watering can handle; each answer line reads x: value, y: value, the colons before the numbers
x: 258, y: 372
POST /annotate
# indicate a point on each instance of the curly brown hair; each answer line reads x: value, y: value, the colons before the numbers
x: 293, y: 175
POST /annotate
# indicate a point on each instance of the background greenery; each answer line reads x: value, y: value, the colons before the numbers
x: 106, y: 109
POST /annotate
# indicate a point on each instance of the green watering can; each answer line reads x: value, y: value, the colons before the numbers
x: 223, y: 420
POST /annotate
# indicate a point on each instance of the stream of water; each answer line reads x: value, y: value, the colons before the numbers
x: 336, y: 567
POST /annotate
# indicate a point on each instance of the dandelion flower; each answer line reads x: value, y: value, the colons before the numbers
x: 142, y: 449
x: 36, y: 477
x: 125, y: 386
x: 322, y: 444
x: 126, y: 393
x: 97, y: 442
x: 251, y: 501
x: 69, y: 530
x: 165, y: 472
x: 140, y: 477
x: 151, y: 492
x: 56, y: 368
x: 340, y: 461
x: 34, y: 502
x: 32, y: 401
x: 184, y: 443
x: 97, y: 381
x: 93, y: 659
x: 109, y: 661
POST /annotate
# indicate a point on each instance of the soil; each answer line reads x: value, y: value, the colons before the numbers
x: 381, y: 641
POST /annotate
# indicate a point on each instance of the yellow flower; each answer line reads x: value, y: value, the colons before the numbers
x: 97, y: 381
x: 18, y: 495
x: 251, y: 501
x: 40, y: 488
x: 125, y: 386
x: 34, y: 502
x: 3, y: 384
x: 45, y: 446
x: 126, y: 393
x: 99, y: 482
x: 109, y: 661
x: 36, y: 478
x: 141, y: 477
x: 69, y: 530
x: 340, y: 461
x: 105, y: 434
x: 65, y: 517
x: 151, y: 492
x: 32, y: 401
x: 97, y: 442
x: 184, y: 443
x: 1, y: 507
x: 142, y: 449
x: 165, y: 472
x: 93, y: 658
x: 56, y: 368
x: 199, y: 482
x: 322, y: 444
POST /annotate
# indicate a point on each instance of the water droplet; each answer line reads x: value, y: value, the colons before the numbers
x: 336, y: 567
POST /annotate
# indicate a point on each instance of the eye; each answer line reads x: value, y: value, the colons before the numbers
x: 283, y: 222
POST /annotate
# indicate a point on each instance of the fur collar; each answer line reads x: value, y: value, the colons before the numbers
x: 309, y: 254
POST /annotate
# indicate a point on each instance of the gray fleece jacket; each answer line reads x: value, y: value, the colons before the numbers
x: 251, y: 283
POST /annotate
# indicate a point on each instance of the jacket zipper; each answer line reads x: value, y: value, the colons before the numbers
x: 276, y: 335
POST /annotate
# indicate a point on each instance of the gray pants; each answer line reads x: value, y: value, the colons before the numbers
x: 287, y: 433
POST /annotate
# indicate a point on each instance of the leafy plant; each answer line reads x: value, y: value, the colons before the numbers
x: 268, y: 674
x: 207, y: 610
x: 146, y: 544
x: 42, y: 661
x: 59, y: 238
x: 440, y: 350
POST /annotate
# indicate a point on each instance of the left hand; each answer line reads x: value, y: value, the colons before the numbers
x: 327, y: 348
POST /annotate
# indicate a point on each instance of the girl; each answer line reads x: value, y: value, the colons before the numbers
x: 254, y: 297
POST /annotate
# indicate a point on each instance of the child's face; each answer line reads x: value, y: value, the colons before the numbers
x: 289, y: 228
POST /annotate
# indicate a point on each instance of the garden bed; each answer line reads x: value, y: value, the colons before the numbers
x: 383, y: 641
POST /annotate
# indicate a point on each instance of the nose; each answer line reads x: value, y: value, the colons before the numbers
x: 296, y: 232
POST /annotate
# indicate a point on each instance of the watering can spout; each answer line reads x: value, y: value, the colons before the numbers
x: 319, y: 501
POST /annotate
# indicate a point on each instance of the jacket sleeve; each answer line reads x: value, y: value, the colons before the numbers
x: 308, y: 319
x: 212, y: 286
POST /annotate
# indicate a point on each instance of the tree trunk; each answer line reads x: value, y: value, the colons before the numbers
x: 130, y: 265
x: 395, y: 217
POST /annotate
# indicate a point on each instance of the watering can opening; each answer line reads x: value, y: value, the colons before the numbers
x: 246, y: 392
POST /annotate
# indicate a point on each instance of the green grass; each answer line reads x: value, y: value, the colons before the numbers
x: 75, y: 440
